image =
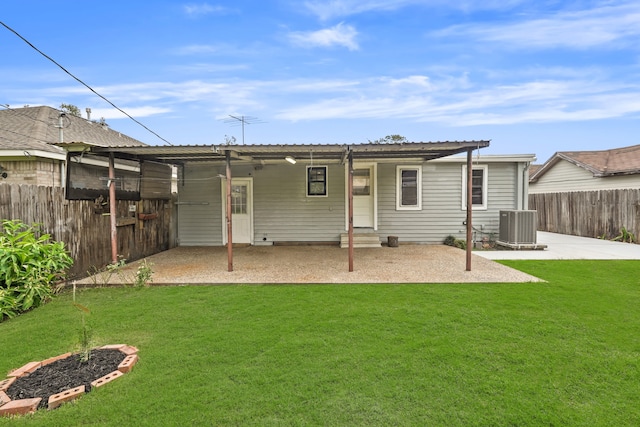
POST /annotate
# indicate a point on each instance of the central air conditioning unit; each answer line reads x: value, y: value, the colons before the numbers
x: 518, y: 227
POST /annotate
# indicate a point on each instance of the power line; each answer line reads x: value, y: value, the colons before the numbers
x: 81, y: 82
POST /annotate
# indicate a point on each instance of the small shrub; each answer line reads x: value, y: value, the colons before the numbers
x: 85, y: 334
x: 85, y: 330
x: 102, y: 277
x: 30, y: 267
x: 457, y: 243
x: 625, y: 236
x: 144, y: 273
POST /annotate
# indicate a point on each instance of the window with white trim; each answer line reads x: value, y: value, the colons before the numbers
x: 317, y: 181
x: 479, y: 180
x: 408, y: 187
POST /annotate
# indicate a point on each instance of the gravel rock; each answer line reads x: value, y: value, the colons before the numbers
x: 317, y: 264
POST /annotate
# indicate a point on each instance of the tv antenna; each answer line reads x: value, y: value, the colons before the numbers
x: 241, y: 121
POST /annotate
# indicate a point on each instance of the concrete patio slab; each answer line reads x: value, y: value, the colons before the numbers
x: 563, y: 246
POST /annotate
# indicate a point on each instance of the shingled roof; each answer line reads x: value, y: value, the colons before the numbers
x: 602, y: 163
x: 36, y: 128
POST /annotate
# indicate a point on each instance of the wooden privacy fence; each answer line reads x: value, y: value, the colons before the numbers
x: 601, y: 213
x: 85, y: 230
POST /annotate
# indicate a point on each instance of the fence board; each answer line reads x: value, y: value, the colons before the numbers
x: 86, y: 234
x: 600, y: 213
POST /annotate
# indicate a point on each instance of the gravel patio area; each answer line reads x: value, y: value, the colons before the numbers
x: 316, y: 264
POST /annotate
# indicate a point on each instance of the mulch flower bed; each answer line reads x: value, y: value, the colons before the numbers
x: 68, y: 373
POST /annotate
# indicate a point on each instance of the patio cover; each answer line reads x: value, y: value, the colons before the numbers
x: 182, y: 154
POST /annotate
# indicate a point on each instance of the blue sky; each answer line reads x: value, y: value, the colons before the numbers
x: 531, y: 76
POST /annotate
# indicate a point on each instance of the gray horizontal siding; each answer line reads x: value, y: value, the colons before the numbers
x: 442, y: 212
x: 283, y: 212
x: 565, y: 177
x: 199, y: 209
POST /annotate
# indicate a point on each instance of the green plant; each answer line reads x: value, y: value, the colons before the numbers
x: 144, y: 273
x: 625, y: 236
x: 449, y: 240
x: 457, y: 243
x: 30, y: 267
x: 85, y: 331
x: 102, y: 276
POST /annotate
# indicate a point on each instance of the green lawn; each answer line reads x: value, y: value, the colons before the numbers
x: 565, y: 352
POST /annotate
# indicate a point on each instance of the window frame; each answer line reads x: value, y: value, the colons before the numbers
x: 308, y: 181
x: 485, y: 187
x: 399, y: 170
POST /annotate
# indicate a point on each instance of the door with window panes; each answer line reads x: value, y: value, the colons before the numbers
x: 363, y: 196
x: 241, y: 210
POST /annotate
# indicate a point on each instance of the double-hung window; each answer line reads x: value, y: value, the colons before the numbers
x: 479, y: 180
x: 316, y: 181
x: 408, y: 187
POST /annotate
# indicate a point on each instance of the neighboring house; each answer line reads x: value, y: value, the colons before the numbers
x: 31, y: 152
x: 567, y: 171
x: 588, y: 193
x: 298, y: 194
x: 49, y: 176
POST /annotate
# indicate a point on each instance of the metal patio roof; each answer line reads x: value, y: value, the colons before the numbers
x: 180, y: 154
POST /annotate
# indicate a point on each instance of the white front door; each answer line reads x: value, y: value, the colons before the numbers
x: 241, y: 210
x: 364, y: 189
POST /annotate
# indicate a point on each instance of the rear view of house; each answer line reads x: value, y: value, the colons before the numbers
x: 298, y: 194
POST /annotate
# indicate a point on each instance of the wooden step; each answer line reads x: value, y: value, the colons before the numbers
x: 361, y: 240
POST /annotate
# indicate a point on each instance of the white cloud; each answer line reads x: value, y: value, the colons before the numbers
x: 197, y: 49
x: 303, y: 86
x: 209, y: 68
x: 338, y: 35
x: 454, y: 100
x: 340, y: 8
x: 137, y: 112
x: 330, y: 9
x: 444, y: 103
x: 573, y: 29
x: 413, y: 81
x: 195, y: 10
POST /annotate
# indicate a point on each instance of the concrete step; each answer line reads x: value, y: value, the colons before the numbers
x: 361, y: 240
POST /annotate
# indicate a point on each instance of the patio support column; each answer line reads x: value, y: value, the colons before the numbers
x: 113, y: 209
x: 469, y: 205
x: 229, y: 223
x: 350, y: 196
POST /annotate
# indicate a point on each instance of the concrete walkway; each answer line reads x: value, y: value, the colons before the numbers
x: 562, y: 246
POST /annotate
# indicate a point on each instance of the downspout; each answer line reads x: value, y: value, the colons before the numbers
x: 113, y: 209
x: 229, y: 220
x: 63, y: 166
x: 519, y: 187
x: 525, y: 186
x: 350, y: 196
x: 469, y: 205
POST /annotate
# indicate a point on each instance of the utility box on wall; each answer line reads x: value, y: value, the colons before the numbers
x: 518, y: 226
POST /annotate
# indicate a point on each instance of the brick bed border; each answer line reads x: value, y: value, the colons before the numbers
x: 10, y: 407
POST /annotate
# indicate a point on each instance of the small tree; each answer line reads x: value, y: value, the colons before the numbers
x: 390, y: 139
x: 70, y: 109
